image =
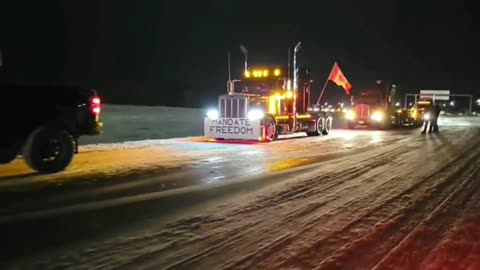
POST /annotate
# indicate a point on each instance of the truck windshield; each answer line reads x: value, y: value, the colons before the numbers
x: 370, y: 100
x: 263, y: 87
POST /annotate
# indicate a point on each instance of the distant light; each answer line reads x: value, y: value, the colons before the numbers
x: 96, y: 100
x: 350, y: 115
x: 96, y: 110
x: 326, y: 103
x: 276, y: 72
x: 289, y: 94
x: 410, y: 104
x: 478, y: 101
x: 452, y: 103
x: 397, y: 104
x: 265, y: 73
x: 247, y: 74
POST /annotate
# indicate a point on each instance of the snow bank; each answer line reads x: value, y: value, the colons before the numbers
x: 131, y: 123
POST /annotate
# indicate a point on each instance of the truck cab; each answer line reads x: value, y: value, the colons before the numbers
x: 263, y: 105
x: 368, y: 109
x: 376, y: 108
x: 418, y: 109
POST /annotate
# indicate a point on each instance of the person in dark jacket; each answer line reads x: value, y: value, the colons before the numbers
x: 434, y: 118
x: 427, y: 119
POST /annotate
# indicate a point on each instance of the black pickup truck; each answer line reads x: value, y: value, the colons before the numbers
x: 43, y: 124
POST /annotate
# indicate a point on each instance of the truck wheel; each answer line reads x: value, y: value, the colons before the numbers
x: 49, y: 149
x: 270, y: 129
x: 7, y: 155
x: 319, y: 127
x: 328, y: 125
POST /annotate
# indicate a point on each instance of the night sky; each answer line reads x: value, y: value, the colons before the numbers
x: 175, y: 52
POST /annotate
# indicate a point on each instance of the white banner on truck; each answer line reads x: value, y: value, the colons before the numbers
x: 435, y: 94
x: 232, y: 128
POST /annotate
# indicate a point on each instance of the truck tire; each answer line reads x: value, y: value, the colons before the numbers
x: 328, y: 124
x: 49, y: 149
x: 319, y: 127
x: 7, y: 155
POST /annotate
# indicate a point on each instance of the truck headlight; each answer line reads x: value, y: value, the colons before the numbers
x: 212, y: 114
x: 426, y: 116
x: 350, y: 115
x: 377, y: 116
x: 255, y: 114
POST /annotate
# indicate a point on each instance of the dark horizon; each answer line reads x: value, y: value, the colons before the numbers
x: 175, y: 53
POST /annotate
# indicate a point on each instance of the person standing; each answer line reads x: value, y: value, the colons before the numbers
x: 434, y: 118
x: 427, y: 118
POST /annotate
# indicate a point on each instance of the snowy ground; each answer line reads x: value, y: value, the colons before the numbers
x: 131, y: 123
x: 356, y: 199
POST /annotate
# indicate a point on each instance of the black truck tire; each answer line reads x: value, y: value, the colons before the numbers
x: 319, y: 127
x: 328, y: 124
x: 49, y: 149
x: 7, y: 155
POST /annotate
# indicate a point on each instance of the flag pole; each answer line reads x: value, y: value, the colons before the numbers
x: 325, y: 86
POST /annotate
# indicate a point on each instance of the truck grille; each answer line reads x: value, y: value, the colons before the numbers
x: 232, y: 106
x: 362, y: 111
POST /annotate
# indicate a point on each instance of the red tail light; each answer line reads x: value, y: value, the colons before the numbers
x: 95, y: 105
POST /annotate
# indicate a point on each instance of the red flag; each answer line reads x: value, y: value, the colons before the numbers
x: 337, y: 77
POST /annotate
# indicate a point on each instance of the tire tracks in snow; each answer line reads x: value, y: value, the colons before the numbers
x: 328, y: 245
x: 320, y: 192
x: 459, y: 248
x: 417, y: 244
x: 231, y: 237
x: 301, y: 191
x: 387, y: 226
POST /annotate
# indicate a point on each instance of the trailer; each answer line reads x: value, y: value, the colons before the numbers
x: 267, y: 103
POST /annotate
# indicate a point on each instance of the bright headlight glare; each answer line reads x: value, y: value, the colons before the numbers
x: 255, y: 114
x: 212, y: 114
x: 350, y: 115
x: 377, y: 116
x: 426, y: 116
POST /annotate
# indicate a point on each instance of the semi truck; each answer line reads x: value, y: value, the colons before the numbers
x: 265, y: 103
x: 376, y: 108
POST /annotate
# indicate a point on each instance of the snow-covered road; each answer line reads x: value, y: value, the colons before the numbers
x: 351, y: 200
